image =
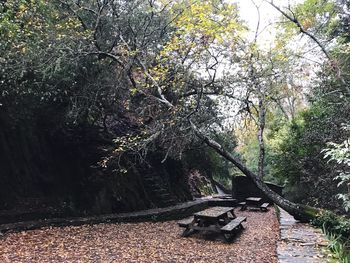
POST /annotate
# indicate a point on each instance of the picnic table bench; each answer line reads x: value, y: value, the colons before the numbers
x: 215, y: 219
x: 234, y: 224
x: 264, y: 206
x: 253, y: 201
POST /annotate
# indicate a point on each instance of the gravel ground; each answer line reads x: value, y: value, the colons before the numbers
x: 143, y: 242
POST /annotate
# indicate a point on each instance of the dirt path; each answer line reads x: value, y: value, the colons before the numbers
x: 143, y: 242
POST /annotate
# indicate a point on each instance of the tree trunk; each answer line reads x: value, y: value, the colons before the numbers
x: 261, y: 127
x: 300, y: 212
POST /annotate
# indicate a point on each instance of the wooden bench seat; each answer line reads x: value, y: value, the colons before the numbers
x: 234, y: 224
x: 185, y: 222
x: 264, y: 206
x: 255, y: 209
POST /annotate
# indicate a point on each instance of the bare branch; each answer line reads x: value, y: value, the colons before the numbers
x: 258, y: 24
x: 107, y: 54
x: 155, y: 83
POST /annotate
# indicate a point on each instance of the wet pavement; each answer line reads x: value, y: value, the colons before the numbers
x: 299, y: 242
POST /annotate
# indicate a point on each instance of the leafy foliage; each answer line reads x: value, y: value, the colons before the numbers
x: 36, y: 43
x: 334, y: 224
x: 296, y: 153
x: 341, y: 154
x: 337, y: 229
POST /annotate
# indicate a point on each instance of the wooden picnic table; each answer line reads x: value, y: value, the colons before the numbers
x: 214, y: 219
x: 254, y: 204
x: 253, y: 201
x: 214, y: 214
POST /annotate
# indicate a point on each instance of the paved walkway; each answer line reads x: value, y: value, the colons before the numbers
x: 299, y: 242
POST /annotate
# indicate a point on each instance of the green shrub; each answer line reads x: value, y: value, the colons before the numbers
x: 334, y: 224
x: 337, y: 229
x: 339, y: 248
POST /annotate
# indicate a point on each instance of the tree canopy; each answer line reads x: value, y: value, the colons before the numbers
x: 165, y: 76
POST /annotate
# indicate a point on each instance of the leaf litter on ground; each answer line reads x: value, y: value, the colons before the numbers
x: 143, y: 242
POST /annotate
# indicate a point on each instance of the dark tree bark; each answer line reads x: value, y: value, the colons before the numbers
x: 301, y: 212
x: 261, y: 127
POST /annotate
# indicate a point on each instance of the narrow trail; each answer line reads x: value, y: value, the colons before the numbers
x: 299, y: 242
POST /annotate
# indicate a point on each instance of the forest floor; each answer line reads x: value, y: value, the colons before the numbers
x: 143, y: 242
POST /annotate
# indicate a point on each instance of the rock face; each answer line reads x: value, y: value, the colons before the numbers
x: 299, y: 242
x: 243, y: 187
x: 48, y: 172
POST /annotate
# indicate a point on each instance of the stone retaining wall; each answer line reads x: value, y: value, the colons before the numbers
x: 157, y: 214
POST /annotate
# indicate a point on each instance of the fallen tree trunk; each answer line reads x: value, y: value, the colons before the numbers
x: 299, y: 211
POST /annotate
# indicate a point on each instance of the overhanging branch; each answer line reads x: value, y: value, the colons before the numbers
x: 294, y: 19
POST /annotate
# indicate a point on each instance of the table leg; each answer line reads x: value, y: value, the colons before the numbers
x: 228, y: 237
x: 189, y: 231
x: 233, y: 214
x: 227, y: 220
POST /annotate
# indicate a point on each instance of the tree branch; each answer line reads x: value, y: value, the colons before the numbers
x: 325, y: 52
x: 301, y: 29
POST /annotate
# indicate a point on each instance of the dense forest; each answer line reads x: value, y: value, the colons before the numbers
x: 113, y: 106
